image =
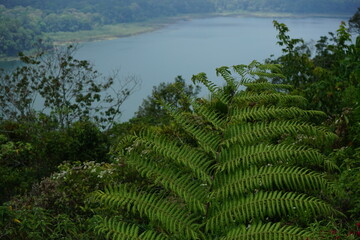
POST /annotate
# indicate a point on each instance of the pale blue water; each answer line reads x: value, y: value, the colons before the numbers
x: 190, y: 47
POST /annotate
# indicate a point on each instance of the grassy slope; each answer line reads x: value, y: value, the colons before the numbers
x: 101, y: 33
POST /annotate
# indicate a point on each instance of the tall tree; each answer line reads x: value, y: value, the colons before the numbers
x: 354, y: 22
x: 69, y: 89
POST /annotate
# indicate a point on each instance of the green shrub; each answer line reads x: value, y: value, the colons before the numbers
x: 57, y: 207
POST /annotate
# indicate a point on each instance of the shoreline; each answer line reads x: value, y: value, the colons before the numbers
x: 156, y: 24
x: 123, y: 30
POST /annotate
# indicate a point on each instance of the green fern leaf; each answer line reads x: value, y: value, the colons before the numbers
x: 226, y: 74
x: 267, y: 86
x: 241, y: 182
x: 170, y: 215
x: 267, y: 113
x: 246, y: 97
x: 202, y: 78
x: 262, y: 154
x: 180, y: 183
x: 257, y: 70
x: 118, y: 230
x: 265, y: 204
x: 268, y: 231
x: 206, y: 138
x: 183, y: 154
x: 209, y: 116
x: 247, y: 134
x: 214, y: 90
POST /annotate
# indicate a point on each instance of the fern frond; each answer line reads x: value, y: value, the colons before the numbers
x: 214, y: 90
x: 267, y: 86
x: 151, y: 235
x: 245, y: 97
x: 274, y: 68
x: 257, y: 70
x: 226, y: 75
x: 242, y: 70
x: 202, y: 78
x: 124, y: 143
x: 181, y: 183
x: 266, y: 204
x: 265, y: 74
x: 247, y: 134
x: 238, y: 156
x: 268, y: 231
x: 241, y: 182
x: 196, y: 161
x: 209, y: 116
x: 205, y: 137
x: 174, y: 218
x: 115, y: 229
x: 265, y: 113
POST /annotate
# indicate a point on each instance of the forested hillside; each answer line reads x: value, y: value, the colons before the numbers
x: 24, y: 23
x: 155, y: 8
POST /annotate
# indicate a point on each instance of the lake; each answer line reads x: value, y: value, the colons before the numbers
x: 199, y: 45
x: 193, y: 46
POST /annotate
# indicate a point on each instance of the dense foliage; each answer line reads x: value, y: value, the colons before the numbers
x: 330, y: 79
x: 72, y: 103
x: 19, y: 30
x: 48, y: 169
x: 176, y: 93
x: 354, y: 22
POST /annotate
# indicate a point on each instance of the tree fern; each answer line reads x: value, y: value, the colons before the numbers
x: 249, y: 167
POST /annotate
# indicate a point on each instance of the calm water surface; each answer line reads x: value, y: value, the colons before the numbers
x: 194, y: 46
x: 190, y: 47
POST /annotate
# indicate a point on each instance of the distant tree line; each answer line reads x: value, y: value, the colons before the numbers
x: 23, y: 23
x: 294, y: 6
x: 112, y: 10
